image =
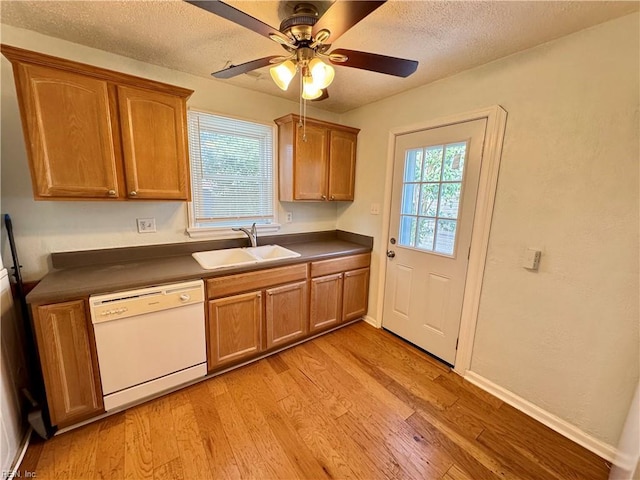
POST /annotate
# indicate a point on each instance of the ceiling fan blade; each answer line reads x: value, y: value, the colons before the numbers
x: 235, y: 70
x: 325, y: 95
x: 376, y: 63
x: 239, y: 17
x: 341, y: 16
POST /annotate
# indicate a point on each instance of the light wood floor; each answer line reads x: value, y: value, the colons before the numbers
x: 357, y: 403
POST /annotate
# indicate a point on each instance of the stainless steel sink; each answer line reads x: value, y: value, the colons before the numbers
x: 235, y: 257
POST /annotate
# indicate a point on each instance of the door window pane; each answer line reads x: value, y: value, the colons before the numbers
x: 407, y: 231
x: 431, y: 192
x: 429, y: 199
x: 433, y: 164
x: 426, y: 230
x: 454, y: 156
x: 449, y: 200
x: 410, y: 198
x: 446, y: 236
x: 413, y: 165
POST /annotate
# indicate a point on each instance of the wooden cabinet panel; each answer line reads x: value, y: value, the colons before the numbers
x: 311, y: 164
x: 154, y: 143
x: 67, y: 124
x: 242, y: 282
x: 340, y: 264
x: 316, y: 162
x: 286, y: 313
x: 69, y: 365
x: 235, y: 328
x: 356, y: 294
x: 326, y: 302
x: 80, y: 120
x: 342, y: 165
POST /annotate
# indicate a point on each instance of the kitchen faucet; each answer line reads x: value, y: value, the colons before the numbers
x: 252, y: 234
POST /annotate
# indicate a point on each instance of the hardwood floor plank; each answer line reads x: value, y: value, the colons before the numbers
x: 249, y: 461
x: 258, y: 428
x: 164, y: 447
x: 356, y: 403
x: 171, y: 470
x: 283, y: 432
x: 138, y: 457
x: 320, y: 434
x: 111, y: 448
x: 193, y: 456
x: 222, y: 462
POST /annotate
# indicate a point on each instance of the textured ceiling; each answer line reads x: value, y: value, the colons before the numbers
x: 446, y: 37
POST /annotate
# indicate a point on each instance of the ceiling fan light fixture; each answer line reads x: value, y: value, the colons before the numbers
x: 283, y: 73
x: 321, y: 73
x: 310, y: 90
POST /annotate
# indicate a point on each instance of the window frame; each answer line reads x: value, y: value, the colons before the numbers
x: 225, y: 231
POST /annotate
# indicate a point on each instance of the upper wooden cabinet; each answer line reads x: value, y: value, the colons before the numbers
x: 316, y: 162
x: 93, y: 133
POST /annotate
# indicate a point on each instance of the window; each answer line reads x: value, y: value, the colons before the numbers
x: 431, y: 192
x: 231, y: 173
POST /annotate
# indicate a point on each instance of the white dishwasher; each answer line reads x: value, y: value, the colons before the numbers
x: 149, y: 340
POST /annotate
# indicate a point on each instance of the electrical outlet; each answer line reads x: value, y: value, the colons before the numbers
x: 146, y: 225
x: 375, y: 209
x: 289, y: 217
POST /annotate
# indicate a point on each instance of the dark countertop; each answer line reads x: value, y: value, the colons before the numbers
x: 81, y: 281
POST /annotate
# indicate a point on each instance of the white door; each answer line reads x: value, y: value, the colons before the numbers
x: 435, y: 184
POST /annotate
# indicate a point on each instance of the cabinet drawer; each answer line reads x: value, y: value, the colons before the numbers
x: 243, y: 282
x: 343, y: 264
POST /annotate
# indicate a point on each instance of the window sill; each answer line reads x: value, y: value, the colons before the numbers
x: 226, y: 232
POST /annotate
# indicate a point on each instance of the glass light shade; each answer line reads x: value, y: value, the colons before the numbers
x: 321, y: 72
x: 310, y: 90
x: 283, y: 73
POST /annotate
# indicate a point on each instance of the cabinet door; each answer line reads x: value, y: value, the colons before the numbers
x: 326, y: 302
x: 69, y: 365
x: 154, y: 138
x: 235, y: 328
x: 356, y: 294
x: 311, y: 163
x: 342, y: 165
x: 286, y: 313
x: 68, y: 130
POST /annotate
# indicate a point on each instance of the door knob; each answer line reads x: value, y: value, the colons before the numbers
x: 391, y: 253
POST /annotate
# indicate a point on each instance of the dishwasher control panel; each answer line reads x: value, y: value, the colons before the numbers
x: 114, y: 306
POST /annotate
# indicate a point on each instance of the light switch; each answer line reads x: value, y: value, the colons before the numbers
x: 532, y: 259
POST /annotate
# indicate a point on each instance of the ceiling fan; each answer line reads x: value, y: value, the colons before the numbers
x: 305, y: 36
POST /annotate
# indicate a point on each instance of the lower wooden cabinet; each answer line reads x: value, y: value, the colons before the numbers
x: 326, y: 302
x: 235, y: 328
x: 355, y: 294
x: 286, y: 313
x: 69, y: 362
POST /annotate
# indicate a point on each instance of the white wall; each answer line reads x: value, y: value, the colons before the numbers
x: 565, y: 338
x: 45, y: 227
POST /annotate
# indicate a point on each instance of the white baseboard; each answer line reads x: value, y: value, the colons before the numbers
x: 371, y: 321
x: 561, y: 426
x: 24, y: 445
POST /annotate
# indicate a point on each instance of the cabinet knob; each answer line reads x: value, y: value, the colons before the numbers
x: 323, y: 197
x: 333, y: 197
x: 111, y: 193
x: 133, y: 193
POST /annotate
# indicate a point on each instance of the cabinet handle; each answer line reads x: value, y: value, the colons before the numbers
x: 133, y: 193
x: 323, y: 197
x: 333, y: 197
x: 111, y: 193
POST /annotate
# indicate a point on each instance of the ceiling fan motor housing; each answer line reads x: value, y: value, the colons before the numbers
x: 299, y: 25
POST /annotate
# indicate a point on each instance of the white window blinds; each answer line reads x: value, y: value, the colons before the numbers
x: 231, y: 171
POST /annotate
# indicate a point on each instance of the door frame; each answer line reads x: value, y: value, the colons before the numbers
x: 496, y: 117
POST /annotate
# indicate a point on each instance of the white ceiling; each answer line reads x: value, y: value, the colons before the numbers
x: 446, y: 37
